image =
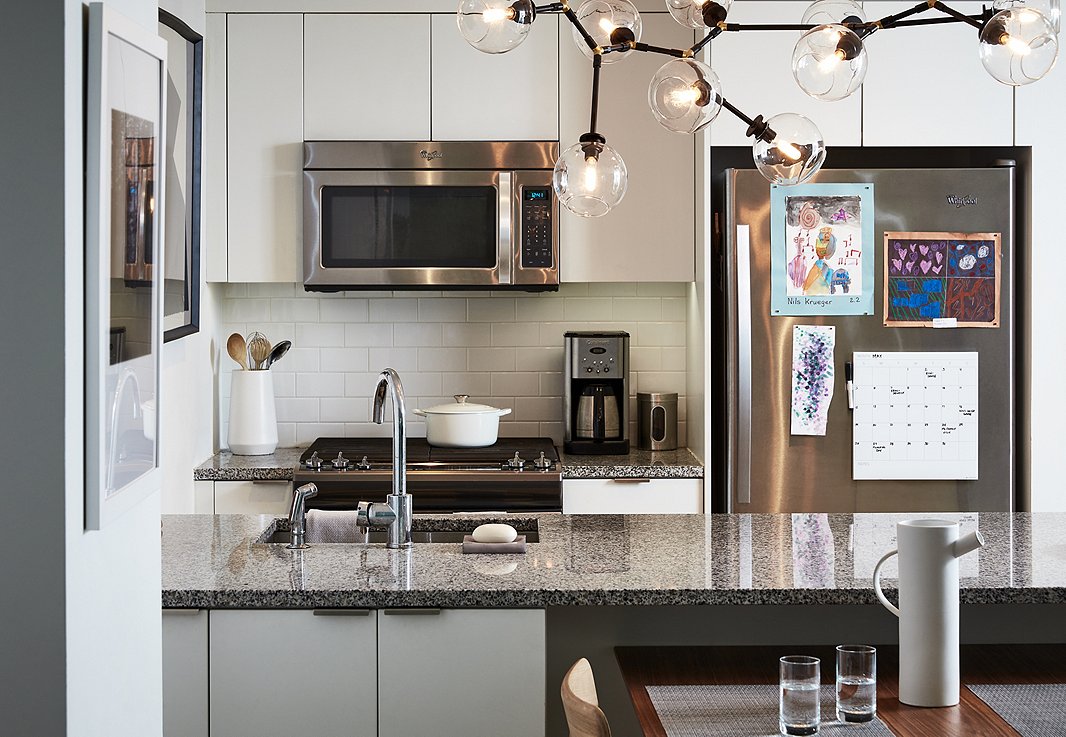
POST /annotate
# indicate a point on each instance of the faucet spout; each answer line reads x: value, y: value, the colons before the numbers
x: 389, y: 385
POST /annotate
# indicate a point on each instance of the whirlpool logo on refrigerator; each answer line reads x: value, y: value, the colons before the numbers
x: 430, y: 155
x: 962, y: 200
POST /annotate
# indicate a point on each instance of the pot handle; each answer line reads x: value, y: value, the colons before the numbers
x: 503, y: 412
x: 877, y: 583
x: 419, y: 412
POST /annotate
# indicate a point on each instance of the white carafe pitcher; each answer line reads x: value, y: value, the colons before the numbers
x: 929, y: 552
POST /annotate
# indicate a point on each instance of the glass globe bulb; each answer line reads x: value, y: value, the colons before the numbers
x: 1018, y: 46
x: 685, y: 95
x: 609, y: 22
x: 1052, y: 9
x: 823, y: 12
x: 829, y: 62
x: 698, y: 13
x: 794, y: 153
x: 590, y: 178
x: 495, y: 26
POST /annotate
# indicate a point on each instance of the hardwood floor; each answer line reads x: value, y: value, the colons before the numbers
x: 651, y: 666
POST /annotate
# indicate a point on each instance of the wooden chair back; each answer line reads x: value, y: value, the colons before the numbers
x: 582, y: 707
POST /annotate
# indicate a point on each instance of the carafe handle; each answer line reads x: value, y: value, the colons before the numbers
x: 877, y: 583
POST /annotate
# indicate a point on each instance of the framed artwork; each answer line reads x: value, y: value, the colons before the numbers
x: 942, y: 279
x: 125, y: 206
x: 182, y: 168
x: 822, y: 249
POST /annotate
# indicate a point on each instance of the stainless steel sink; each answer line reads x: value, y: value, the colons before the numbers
x: 379, y: 536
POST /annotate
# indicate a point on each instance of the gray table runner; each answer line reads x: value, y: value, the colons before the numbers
x: 1034, y: 710
x: 741, y: 711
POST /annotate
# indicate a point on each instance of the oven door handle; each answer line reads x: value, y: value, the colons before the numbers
x: 507, y: 236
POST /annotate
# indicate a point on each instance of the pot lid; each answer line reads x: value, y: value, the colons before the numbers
x: 461, y: 407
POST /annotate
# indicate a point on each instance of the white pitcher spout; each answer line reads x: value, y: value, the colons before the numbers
x: 967, y: 544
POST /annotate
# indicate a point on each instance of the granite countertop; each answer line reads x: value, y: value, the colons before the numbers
x: 214, y: 562
x: 278, y: 466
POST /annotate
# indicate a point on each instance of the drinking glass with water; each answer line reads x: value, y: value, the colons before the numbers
x: 856, y: 683
x: 800, y: 713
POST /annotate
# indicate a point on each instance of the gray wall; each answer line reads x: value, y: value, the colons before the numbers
x: 33, y: 636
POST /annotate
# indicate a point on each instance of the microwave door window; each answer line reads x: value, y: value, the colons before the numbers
x: 379, y: 227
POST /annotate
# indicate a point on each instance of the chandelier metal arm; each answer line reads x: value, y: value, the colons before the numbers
x: 711, y: 35
x: 572, y: 17
x: 597, y: 62
x: 961, y: 17
x: 679, y: 53
x: 552, y: 8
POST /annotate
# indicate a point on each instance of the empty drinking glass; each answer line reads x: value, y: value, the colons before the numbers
x: 856, y: 683
x: 799, y: 713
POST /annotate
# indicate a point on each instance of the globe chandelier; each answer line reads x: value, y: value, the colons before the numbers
x: 1017, y: 44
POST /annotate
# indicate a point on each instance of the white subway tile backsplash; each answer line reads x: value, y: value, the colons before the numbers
x: 319, y: 335
x: 369, y: 334
x: 442, y: 309
x: 500, y: 348
x: 345, y: 360
x: 466, y: 334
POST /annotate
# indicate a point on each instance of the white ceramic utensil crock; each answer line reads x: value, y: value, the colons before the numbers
x: 253, y: 420
x: 929, y: 552
x: 462, y: 425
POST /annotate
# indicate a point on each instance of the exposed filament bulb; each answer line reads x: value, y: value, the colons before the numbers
x: 788, y: 150
x: 1019, y: 47
x: 495, y: 15
x: 592, y: 173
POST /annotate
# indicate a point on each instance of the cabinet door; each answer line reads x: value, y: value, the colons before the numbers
x: 495, y: 97
x: 185, y: 673
x: 253, y: 497
x: 650, y: 235
x: 290, y: 672
x: 952, y: 101
x: 461, y: 672
x: 755, y: 68
x: 213, y: 197
x: 265, y: 147
x: 632, y: 496
x: 366, y: 77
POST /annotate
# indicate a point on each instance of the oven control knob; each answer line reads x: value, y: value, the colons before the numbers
x: 340, y: 463
x: 364, y: 465
x: 542, y: 463
x: 314, y: 462
x: 515, y: 464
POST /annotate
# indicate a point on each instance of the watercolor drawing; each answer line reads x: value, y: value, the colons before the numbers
x: 930, y: 276
x: 813, y: 377
x: 821, y: 242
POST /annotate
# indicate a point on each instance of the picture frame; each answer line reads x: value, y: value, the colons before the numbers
x: 125, y: 205
x: 183, y: 169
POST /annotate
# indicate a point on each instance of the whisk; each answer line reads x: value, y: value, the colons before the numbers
x: 258, y: 349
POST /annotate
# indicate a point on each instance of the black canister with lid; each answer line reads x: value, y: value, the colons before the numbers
x: 657, y: 420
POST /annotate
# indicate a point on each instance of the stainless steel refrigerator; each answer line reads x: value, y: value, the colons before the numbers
x: 767, y: 469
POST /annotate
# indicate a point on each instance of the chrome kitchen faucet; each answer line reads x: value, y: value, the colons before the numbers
x: 396, y: 513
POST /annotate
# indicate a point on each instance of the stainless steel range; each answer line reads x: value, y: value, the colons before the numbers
x: 514, y: 475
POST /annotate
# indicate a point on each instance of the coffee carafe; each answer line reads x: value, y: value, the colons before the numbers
x: 596, y: 393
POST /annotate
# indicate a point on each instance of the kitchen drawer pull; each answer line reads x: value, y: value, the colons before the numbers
x: 181, y: 611
x: 414, y: 610
x: 271, y: 481
x: 631, y: 481
x: 341, y: 612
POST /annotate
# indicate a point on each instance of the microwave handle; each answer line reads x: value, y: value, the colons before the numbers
x: 505, y: 256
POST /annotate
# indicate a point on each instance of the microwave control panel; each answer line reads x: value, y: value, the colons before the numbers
x: 537, y: 227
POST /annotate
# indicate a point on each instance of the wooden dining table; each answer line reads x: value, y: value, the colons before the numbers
x: 705, y: 665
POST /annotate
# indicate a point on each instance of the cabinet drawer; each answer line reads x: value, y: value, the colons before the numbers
x: 632, y: 496
x: 253, y: 497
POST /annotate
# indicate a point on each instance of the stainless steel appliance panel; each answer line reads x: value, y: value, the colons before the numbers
x: 770, y: 470
x: 430, y: 155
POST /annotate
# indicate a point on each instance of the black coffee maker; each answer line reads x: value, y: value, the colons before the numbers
x: 596, y: 393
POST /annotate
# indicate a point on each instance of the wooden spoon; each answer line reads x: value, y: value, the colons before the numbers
x: 238, y: 350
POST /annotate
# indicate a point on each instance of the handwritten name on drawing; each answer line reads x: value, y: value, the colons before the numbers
x: 815, y: 302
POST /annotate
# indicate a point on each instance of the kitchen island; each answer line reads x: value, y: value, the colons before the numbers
x: 605, y: 581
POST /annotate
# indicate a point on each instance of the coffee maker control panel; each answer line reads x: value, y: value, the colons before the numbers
x: 598, y: 357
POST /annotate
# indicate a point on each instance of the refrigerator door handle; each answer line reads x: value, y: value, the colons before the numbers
x: 743, y: 271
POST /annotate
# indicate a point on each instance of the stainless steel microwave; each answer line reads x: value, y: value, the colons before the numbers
x: 430, y: 215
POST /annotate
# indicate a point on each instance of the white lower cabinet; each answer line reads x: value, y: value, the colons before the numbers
x: 293, y: 672
x: 633, y: 496
x: 461, y: 672
x: 253, y: 497
x: 185, y: 673
x: 361, y: 673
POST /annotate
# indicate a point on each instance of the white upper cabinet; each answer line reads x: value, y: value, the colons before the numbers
x: 495, y: 97
x: 650, y: 235
x: 366, y: 77
x: 926, y: 86
x: 755, y: 68
x: 265, y: 147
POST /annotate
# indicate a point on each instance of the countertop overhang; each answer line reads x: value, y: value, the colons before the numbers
x: 213, y: 561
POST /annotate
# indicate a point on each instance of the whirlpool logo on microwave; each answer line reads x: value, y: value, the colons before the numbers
x: 430, y: 155
x: 962, y: 200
